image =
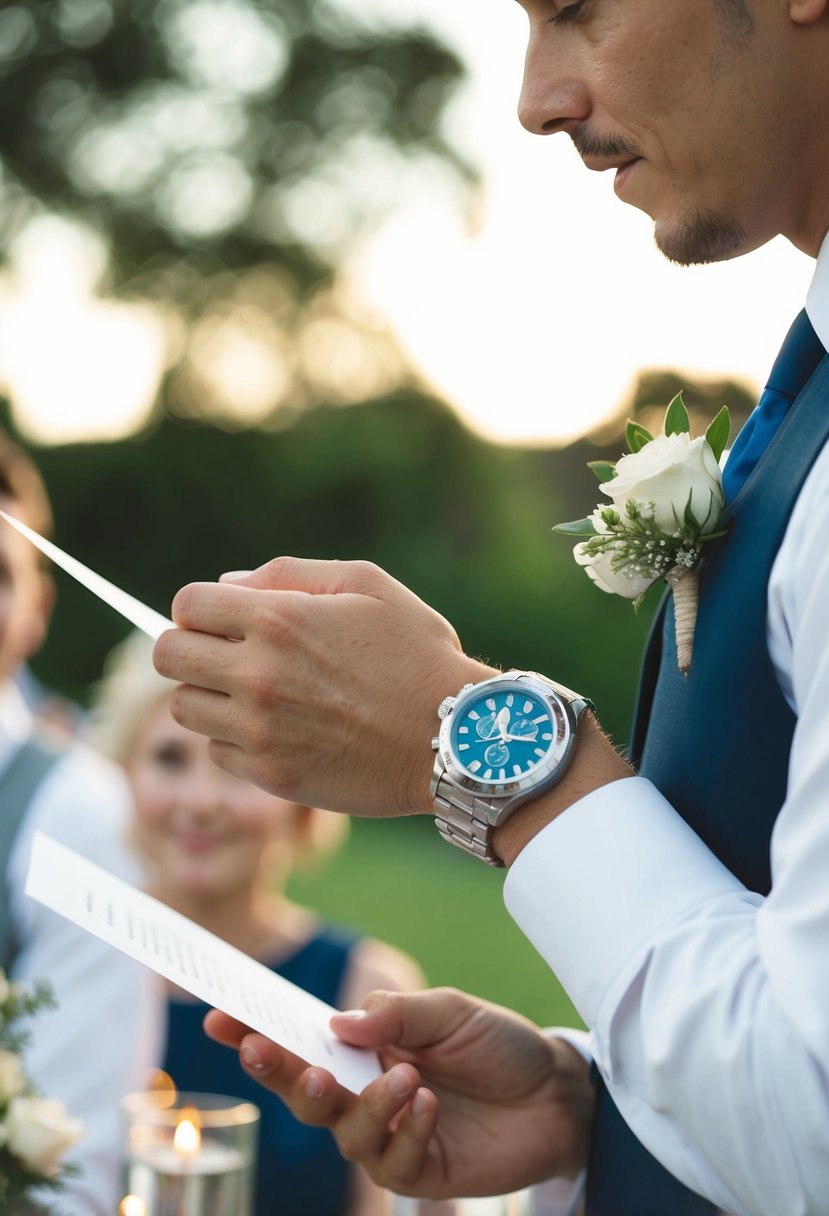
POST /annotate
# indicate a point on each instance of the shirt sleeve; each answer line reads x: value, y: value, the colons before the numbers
x: 707, y: 1004
x: 104, y: 1036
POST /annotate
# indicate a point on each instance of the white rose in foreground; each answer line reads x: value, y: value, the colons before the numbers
x: 12, y: 1076
x: 39, y: 1132
x: 616, y: 582
x: 669, y: 471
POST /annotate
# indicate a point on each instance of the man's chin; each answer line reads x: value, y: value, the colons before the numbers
x: 699, y: 238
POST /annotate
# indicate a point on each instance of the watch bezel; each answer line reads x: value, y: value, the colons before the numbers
x: 546, y: 772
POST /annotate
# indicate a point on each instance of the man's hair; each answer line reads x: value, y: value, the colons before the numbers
x: 22, y: 486
x: 735, y: 17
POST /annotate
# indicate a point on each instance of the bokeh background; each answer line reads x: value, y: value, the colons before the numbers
x: 276, y: 279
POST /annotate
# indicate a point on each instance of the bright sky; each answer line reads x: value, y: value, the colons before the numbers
x: 533, y: 326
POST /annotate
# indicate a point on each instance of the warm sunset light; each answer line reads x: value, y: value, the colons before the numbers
x: 533, y: 321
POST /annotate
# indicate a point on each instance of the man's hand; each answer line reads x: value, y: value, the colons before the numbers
x: 474, y: 1099
x: 319, y: 681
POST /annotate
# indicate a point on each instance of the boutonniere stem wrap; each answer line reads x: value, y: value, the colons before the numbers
x: 666, y: 502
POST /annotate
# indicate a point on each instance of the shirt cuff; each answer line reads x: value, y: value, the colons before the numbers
x: 595, y: 885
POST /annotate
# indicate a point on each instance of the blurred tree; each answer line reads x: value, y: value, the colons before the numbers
x: 227, y: 153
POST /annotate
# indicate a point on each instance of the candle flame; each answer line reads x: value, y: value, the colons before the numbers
x: 187, y: 1139
x: 131, y: 1205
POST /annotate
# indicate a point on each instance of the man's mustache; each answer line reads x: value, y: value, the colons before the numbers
x: 589, y: 144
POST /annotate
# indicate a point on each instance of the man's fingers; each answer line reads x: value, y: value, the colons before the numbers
x: 205, y: 658
x: 363, y: 1130
x: 405, y: 1159
x: 311, y: 576
x: 224, y: 1029
x: 404, y: 1019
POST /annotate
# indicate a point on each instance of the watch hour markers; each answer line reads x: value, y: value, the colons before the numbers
x: 463, y: 747
x: 473, y: 715
x: 490, y: 703
x: 539, y: 751
x: 516, y: 770
x: 510, y: 700
x: 463, y: 730
x: 538, y: 721
x: 502, y: 775
x: 474, y: 766
x: 487, y: 774
x: 528, y: 706
x: 547, y: 736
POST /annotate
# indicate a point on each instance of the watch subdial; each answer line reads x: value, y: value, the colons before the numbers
x: 523, y: 728
x: 487, y: 727
x: 496, y: 755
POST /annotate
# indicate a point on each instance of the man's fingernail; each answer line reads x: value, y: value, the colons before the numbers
x: 234, y: 575
x: 251, y: 1060
x: 399, y: 1084
x: 354, y: 1014
x: 420, y: 1104
x: 313, y: 1087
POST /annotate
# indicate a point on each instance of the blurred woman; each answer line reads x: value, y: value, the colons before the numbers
x: 220, y: 851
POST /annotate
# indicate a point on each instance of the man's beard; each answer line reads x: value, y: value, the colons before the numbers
x: 700, y: 237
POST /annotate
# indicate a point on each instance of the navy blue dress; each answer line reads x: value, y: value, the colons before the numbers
x: 300, y: 1171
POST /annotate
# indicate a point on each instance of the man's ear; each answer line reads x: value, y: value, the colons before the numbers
x: 807, y: 12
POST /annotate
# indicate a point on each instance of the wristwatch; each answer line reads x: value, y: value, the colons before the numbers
x: 501, y: 742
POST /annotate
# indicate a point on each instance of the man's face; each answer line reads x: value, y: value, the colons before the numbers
x: 24, y: 597
x: 694, y: 105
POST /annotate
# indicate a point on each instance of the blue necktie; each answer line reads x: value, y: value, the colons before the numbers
x: 799, y: 356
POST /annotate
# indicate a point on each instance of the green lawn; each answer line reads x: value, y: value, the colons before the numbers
x: 396, y: 880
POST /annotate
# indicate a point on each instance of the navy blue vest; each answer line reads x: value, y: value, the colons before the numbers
x: 716, y: 743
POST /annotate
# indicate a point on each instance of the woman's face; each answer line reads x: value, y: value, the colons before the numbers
x: 204, y: 832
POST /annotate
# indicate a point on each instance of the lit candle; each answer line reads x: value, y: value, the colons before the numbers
x: 175, y: 1170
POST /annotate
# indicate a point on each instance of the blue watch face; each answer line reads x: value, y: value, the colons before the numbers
x: 502, y: 735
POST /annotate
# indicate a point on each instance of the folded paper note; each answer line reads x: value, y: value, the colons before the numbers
x: 146, y: 619
x: 193, y: 958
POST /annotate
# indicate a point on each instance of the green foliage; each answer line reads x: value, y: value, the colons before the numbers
x: 576, y: 527
x: 636, y: 436
x: 201, y: 137
x: 718, y: 432
x: 605, y: 470
x: 677, y: 419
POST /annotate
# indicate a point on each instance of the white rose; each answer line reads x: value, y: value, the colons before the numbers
x: 39, y: 1132
x: 616, y: 582
x: 12, y: 1077
x: 668, y: 472
x: 5, y: 987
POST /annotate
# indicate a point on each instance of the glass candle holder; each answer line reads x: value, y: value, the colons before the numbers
x: 189, y: 1154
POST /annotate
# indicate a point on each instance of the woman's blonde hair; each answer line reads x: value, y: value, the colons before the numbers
x: 125, y: 697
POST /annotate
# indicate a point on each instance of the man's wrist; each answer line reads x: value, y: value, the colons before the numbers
x: 595, y: 763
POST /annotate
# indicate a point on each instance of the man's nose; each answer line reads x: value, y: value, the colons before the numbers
x: 553, y: 98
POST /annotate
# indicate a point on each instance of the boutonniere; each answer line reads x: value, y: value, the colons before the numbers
x: 35, y: 1132
x: 666, y: 502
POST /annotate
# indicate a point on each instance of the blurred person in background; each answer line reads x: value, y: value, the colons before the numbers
x: 50, y: 784
x: 220, y: 850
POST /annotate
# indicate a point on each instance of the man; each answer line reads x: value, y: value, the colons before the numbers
x: 684, y: 905
x: 73, y: 795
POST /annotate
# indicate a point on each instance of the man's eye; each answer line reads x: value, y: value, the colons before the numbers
x: 569, y: 13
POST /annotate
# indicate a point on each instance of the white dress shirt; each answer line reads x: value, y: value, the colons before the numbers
x: 104, y: 1036
x: 708, y: 1005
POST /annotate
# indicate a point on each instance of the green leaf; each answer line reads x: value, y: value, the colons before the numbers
x: 677, y: 421
x: 577, y: 527
x: 636, y: 436
x: 718, y: 432
x: 603, y: 469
